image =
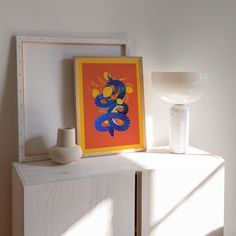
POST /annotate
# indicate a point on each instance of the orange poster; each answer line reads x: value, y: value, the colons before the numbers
x: 109, y: 104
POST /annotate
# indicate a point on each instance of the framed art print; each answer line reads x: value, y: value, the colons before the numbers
x: 109, y: 104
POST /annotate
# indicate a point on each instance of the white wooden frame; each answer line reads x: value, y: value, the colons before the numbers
x: 110, y: 45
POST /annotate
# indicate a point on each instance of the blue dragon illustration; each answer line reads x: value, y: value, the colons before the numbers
x: 112, y: 101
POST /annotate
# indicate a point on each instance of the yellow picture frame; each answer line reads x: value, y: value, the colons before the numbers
x: 109, y: 105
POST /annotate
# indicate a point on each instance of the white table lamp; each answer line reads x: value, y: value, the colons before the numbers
x: 179, y: 89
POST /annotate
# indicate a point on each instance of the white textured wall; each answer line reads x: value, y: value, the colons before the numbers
x: 195, y: 35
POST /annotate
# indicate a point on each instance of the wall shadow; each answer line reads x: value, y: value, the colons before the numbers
x: 8, y: 138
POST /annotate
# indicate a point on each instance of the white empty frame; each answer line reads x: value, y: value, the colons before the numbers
x: 46, y: 87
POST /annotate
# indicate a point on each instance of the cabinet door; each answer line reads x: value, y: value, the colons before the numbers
x: 182, y: 200
x: 102, y: 205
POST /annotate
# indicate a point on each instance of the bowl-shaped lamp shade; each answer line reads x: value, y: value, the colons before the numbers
x: 179, y: 87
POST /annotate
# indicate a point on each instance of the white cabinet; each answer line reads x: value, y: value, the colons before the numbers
x: 183, y: 196
x: 154, y: 192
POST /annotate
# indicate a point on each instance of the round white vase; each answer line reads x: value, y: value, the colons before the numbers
x: 66, y: 151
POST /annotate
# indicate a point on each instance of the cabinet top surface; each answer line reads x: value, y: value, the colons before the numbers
x: 160, y: 159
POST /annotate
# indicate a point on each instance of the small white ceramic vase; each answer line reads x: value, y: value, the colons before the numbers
x: 66, y: 151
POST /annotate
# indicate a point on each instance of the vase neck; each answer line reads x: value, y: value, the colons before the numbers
x: 66, y: 137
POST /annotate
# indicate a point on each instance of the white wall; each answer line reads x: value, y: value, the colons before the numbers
x: 192, y: 35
